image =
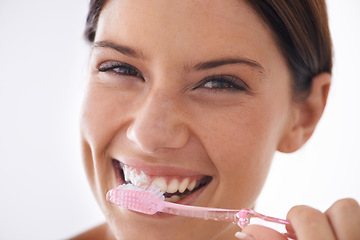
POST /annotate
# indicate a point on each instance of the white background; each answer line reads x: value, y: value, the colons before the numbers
x: 43, y: 188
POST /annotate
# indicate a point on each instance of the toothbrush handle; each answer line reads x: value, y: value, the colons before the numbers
x: 240, y: 217
x: 201, y: 212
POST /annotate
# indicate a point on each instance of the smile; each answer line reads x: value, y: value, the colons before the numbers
x: 175, y: 188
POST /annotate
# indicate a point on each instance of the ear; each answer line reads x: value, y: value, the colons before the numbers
x: 306, y: 114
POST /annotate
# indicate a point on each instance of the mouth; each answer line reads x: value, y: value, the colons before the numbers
x: 174, y: 188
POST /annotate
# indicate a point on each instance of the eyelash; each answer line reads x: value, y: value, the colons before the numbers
x: 228, y: 82
x: 126, y: 69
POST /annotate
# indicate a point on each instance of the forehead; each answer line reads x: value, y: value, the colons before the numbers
x: 178, y: 28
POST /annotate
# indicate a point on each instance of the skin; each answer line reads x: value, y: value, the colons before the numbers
x: 165, y: 117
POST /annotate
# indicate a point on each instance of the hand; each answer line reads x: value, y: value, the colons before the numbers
x: 340, y: 222
x: 257, y: 232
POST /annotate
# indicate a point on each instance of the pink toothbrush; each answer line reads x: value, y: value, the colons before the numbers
x: 150, y: 201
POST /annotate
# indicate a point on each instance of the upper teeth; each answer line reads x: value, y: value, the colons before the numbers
x: 141, y: 179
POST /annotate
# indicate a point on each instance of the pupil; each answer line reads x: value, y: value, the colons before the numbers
x: 129, y: 71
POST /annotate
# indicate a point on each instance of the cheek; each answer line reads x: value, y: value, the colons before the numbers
x: 104, y: 111
x: 242, y: 148
x: 243, y: 141
x: 247, y: 158
x: 98, y: 126
x: 93, y: 113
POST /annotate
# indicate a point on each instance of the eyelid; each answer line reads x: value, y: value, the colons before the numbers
x: 113, y: 64
x: 236, y: 82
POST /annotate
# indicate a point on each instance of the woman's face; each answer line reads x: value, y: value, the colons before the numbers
x: 194, y: 94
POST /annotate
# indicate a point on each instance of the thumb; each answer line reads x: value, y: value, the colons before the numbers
x: 258, y: 232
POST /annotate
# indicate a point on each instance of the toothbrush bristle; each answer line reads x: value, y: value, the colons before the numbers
x: 140, y: 199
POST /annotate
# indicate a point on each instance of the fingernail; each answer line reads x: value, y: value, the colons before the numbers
x: 243, y: 236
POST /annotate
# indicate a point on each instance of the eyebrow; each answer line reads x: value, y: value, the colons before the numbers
x: 119, y: 48
x: 226, y: 61
x: 128, y: 51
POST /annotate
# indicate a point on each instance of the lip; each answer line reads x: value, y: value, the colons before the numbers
x: 165, y: 171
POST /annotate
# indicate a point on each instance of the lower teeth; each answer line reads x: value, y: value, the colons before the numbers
x: 173, y: 198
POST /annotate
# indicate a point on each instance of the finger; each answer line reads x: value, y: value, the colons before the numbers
x: 344, y: 217
x: 310, y: 224
x: 263, y: 233
x: 243, y: 236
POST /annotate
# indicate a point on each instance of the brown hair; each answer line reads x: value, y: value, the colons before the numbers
x: 300, y: 28
x: 93, y: 18
x: 302, y: 33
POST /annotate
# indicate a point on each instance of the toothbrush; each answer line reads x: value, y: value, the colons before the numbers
x: 150, y: 200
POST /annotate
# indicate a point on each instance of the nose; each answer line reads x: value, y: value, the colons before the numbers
x: 158, y: 124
